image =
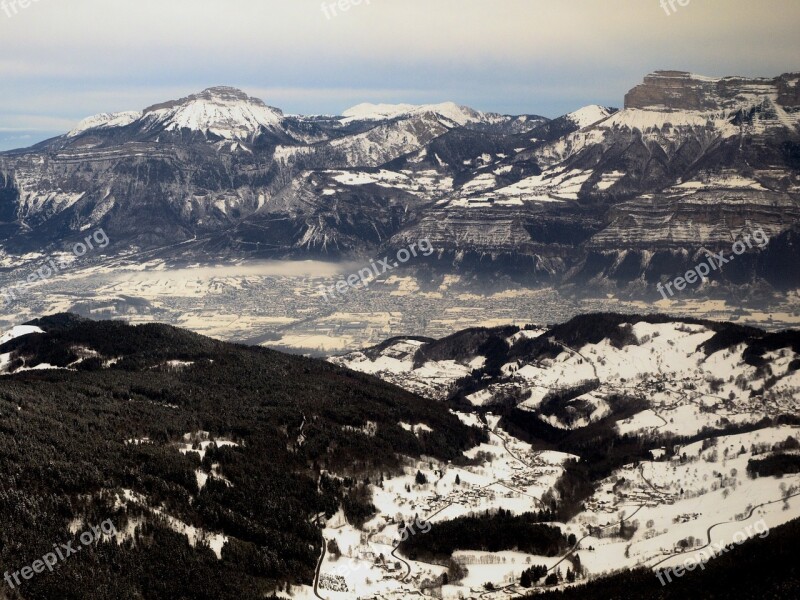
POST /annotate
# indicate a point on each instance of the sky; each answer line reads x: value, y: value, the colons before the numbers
x: 62, y: 60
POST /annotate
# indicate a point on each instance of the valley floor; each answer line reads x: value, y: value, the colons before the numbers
x: 279, y: 303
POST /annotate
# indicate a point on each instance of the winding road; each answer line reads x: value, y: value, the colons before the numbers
x: 319, y: 567
x: 708, y: 532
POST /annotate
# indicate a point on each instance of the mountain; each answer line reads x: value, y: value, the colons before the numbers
x: 210, y: 459
x: 566, y: 374
x: 460, y: 115
x: 665, y: 415
x: 203, y: 166
x: 607, y: 445
x: 223, y: 112
x: 643, y: 192
x: 597, y: 200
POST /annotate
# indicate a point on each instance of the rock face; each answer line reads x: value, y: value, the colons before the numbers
x: 598, y: 198
x: 678, y: 90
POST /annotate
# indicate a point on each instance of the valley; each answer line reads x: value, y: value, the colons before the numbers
x: 279, y: 304
x: 420, y: 301
x: 676, y: 501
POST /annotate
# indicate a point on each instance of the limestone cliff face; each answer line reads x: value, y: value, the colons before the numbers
x: 789, y: 90
x: 679, y: 90
x: 597, y: 196
x: 688, y: 167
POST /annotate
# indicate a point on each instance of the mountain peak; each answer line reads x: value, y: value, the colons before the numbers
x: 589, y: 115
x: 224, y: 111
x: 105, y: 121
x: 225, y: 91
x: 221, y: 110
x: 378, y: 112
x: 219, y: 93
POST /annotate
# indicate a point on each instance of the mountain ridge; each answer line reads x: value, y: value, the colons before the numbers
x: 613, y: 199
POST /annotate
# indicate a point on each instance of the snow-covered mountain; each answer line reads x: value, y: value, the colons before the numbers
x: 461, y: 115
x: 589, y: 115
x: 686, y: 375
x: 675, y: 420
x: 105, y: 121
x: 223, y: 111
x: 618, y: 197
x: 615, y: 200
x: 622, y: 442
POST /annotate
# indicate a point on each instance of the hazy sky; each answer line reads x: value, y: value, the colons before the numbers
x: 62, y: 60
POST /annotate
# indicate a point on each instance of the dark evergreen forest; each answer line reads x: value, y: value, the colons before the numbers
x: 64, y: 455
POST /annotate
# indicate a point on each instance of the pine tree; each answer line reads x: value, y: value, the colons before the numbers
x: 525, y: 580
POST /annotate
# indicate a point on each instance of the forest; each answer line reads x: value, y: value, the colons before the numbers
x: 74, y: 443
x: 489, y: 532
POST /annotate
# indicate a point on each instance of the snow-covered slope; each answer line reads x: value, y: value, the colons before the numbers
x: 105, y: 121
x: 396, y: 364
x: 670, y: 108
x: 223, y: 111
x: 451, y: 111
x: 372, y: 112
x: 679, y: 384
x: 15, y: 332
x: 589, y: 115
x: 18, y: 331
x: 681, y: 408
x: 612, y: 200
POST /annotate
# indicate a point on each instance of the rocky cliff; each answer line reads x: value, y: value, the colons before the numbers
x: 598, y: 197
x: 679, y: 90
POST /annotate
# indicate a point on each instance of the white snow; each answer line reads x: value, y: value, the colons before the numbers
x: 451, y: 111
x: 18, y: 331
x: 201, y: 438
x: 703, y: 488
x: 226, y: 112
x: 396, y: 364
x: 416, y: 429
x: 105, y: 121
x: 381, y: 177
x: 609, y: 179
x: 371, y: 112
x: 215, y: 541
x: 554, y: 185
x: 589, y: 115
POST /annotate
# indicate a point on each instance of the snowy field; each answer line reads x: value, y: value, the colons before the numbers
x: 671, y: 508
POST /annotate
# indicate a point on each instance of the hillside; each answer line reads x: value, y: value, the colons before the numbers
x: 209, y: 458
x: 575, y: 451
x: 644, y: 439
